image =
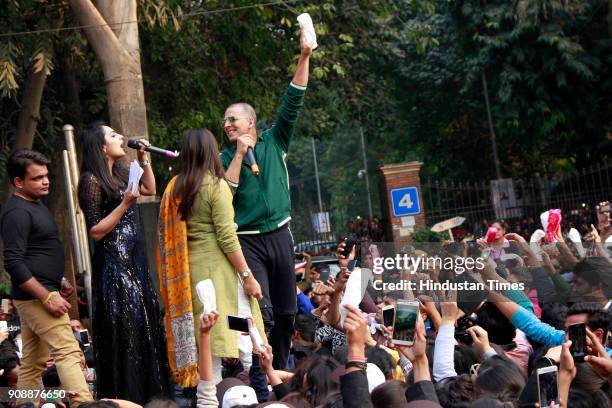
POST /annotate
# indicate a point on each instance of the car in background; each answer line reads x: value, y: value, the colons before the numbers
x: 313, y: 247
x: 328, y: 266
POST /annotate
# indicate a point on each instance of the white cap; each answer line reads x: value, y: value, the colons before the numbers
x: 239, y: 395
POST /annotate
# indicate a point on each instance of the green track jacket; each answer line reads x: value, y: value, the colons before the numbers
x: 262, y: 203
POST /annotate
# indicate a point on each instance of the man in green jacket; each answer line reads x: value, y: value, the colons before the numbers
x: 263, y: 207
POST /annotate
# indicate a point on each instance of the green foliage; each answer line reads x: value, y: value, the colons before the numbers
x: 425, y: 235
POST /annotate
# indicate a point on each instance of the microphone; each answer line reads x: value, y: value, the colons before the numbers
x: 134, y: 144
x: 252, y: 162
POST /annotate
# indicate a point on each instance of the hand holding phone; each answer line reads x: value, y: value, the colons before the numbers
x: 548, y: 386
x: 349, y: 243
x: 577, y: 334
x: 259, y: 345
x: 404, y: 327
x: 246, y: 325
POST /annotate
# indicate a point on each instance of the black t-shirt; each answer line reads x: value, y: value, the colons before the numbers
x: 32, y: 247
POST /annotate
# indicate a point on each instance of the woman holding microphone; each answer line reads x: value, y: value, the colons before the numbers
x: 128, y: 339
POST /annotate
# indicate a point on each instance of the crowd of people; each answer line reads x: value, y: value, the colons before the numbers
x: 239, y: 330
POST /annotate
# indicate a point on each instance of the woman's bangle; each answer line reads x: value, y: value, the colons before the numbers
x: 49, y: 296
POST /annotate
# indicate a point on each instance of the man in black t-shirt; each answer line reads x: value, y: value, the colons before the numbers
x: 34, y: 258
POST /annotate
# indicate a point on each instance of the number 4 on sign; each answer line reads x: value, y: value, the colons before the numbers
x: 406, y: 201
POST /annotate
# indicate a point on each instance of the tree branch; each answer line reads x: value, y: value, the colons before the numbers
x: 101, y: 37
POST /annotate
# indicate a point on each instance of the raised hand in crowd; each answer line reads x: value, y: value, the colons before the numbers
x: 480, y: 338
x: 344, y: 260
x: 333, y: 313
x: 598, y: 358
x: 355, y: 327
x: 567, y: 372
x: 265, y: 361
x: 417, y: 352
x: 596, y: 241
x: 429, y: 307
x: 450, y: 312
x: 322, y: 289
x: 207, y: 322
x: 603, y: 220
x: 532, y: 259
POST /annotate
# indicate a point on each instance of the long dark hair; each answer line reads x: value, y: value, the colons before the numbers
x: 199, y: 156
x: 94, y: 161
x: 319, y: 383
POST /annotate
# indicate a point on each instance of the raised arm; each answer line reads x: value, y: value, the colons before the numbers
x: 303, y: 66
x: 206, y: 392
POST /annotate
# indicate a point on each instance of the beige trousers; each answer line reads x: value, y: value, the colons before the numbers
x: 44, y: 335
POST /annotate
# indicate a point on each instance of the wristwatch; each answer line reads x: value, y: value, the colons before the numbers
x: 244, y: 274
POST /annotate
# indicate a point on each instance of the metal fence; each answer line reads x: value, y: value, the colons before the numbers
x: 571, y: 192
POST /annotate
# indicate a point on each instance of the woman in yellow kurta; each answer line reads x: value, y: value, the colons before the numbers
x: 205, y: 203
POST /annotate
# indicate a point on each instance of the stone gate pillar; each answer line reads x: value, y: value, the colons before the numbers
x: 402, y: 202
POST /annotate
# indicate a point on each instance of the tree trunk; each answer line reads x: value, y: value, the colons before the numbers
x: 30, y: 109
x: 112, y: 31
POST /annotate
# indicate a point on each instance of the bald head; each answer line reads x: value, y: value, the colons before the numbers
x: 245, y: 108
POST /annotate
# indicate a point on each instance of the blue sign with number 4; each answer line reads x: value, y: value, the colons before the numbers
x: 405, y: 201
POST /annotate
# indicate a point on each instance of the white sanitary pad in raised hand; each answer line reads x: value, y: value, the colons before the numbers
x: 305, y: 22
x: 135, y: 174
x: 353, y: 293
x: 206, y: 292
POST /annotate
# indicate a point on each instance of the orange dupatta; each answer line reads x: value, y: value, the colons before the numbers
x: 175, y: 290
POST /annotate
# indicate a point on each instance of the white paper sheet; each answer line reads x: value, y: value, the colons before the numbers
x: 135, y: 174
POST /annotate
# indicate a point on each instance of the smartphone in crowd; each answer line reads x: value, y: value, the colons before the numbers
x: 324, y: 274
x: 246, y: 325
x: 548, y: 386
x: 577, y: 334
x: 236, y: 323
x: 350, y: 242
x: 3, y: 325
x: 84, y: 335
x: 388, y: 315
x: 404, y: 326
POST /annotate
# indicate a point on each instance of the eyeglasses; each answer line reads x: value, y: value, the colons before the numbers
x: 230, y: 119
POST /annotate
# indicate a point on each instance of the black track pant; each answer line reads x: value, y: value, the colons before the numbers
x: 270, y: 257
